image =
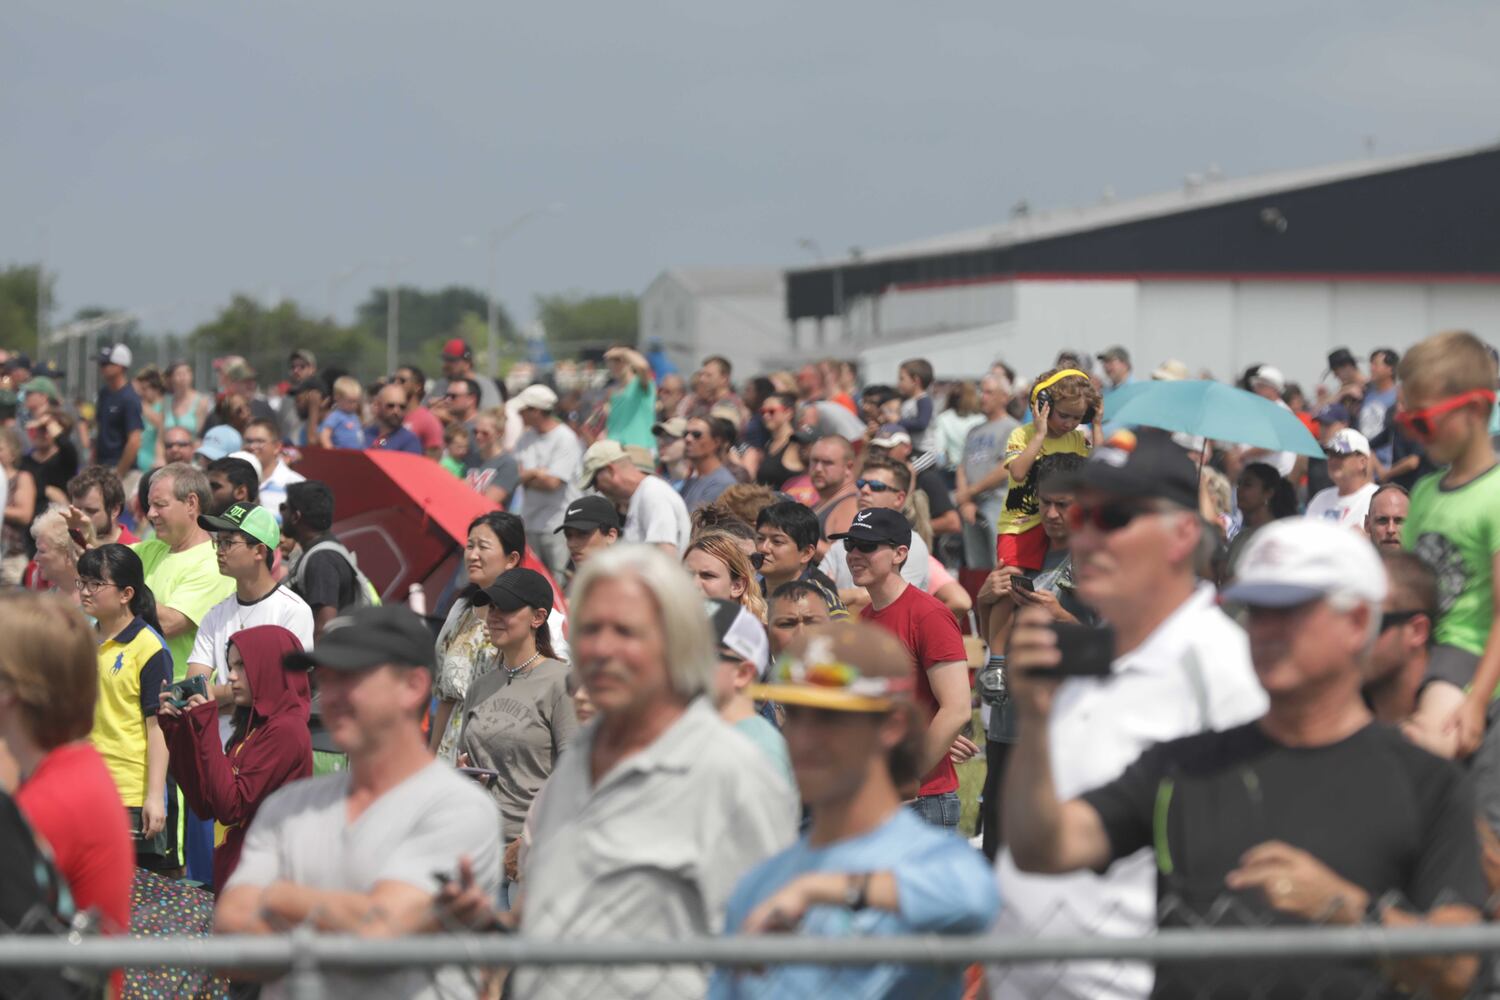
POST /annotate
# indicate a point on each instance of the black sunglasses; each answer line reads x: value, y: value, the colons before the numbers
x: 874, y: 486
x: 1391, y: 619
x: 1106, y: 517
x: 866, y: 547
x: 692, y: 434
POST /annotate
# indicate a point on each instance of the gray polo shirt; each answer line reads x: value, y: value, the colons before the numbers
x: 423, y: 825
x: 651, y: 853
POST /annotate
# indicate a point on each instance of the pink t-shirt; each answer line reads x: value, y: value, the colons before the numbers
x: 427, y: 428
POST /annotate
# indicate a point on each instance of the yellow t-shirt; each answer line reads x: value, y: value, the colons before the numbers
x: 1023, y: 510
x: 132, y: 667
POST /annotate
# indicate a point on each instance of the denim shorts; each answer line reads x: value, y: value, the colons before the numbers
x: 942, y: 809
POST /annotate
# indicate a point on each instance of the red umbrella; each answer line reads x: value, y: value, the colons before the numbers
x: 405, y: 516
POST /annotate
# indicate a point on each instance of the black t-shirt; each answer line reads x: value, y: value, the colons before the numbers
x: 939, y: 500
x: 1381, y: 813
x: 329, y: 580
x: 55, y: 471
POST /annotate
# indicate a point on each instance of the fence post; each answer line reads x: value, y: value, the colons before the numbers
x: 305, y: 980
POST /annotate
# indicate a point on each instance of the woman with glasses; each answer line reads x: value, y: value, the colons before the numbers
x: 134, y: 666
x: 783, y: 458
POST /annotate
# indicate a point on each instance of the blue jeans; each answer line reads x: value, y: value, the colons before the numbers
x: 941, y: 810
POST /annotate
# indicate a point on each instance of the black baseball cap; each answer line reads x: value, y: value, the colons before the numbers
x: 589, y: 514
x: 878, y: 524
x: 1339, y: 357
x: 1147, y: 466
x: 367, y: 638
x: 311, y: 382
x: 515, y: 589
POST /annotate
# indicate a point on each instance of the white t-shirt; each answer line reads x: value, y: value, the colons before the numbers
x: 273, y: 487
x: 302, y: 834
x: 1193, y: 674
x: 231, y: 615
x: 558, y: 453
x: 657, y: 514
x: 1346, y: 512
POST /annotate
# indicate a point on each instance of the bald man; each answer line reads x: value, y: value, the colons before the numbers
x: 387, y: 433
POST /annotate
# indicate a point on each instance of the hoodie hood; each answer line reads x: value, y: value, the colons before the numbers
x: 274, y: 690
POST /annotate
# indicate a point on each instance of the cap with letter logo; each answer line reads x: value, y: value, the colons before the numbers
x: 247, y: 518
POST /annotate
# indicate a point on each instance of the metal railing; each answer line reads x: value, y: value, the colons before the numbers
x: 307, y: 957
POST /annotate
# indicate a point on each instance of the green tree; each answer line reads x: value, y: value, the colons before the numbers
x: 265, y: 337
x: 18, y: 306
x: 424, y: 316
x: 576, y: 322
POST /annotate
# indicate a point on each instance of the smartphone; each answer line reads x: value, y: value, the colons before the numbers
x: 185, y: 689
x: 484, y: 776
x: 1086, y: 652
x: 1022, y: 583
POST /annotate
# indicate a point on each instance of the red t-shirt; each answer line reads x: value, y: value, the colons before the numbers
x: 127, y: 537
x: 427, y: 428
x: 930, y: 633
x: 71, y: 802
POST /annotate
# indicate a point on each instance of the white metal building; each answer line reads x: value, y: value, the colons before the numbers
x: 1221, y: 274
x: 737, y: 313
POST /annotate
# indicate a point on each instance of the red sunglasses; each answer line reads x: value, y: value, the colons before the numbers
x: 1106, y: 517
x: 1422, y: 424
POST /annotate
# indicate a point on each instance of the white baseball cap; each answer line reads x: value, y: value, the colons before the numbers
x: 1298, y: 559
x: 1347, y: 441
x: 118, y: 354
x: 536, y: 397
x: 1270, y: 376
x: 246, y: 456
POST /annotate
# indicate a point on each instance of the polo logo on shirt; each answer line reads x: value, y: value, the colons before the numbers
x: 119, y: 663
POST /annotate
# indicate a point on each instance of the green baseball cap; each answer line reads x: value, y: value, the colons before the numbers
x: 44, y: 385
x: 251, y: 519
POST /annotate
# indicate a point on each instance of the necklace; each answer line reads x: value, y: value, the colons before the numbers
x: 511, y: 673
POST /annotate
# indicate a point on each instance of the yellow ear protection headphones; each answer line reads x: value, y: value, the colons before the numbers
x: 1039, y: 393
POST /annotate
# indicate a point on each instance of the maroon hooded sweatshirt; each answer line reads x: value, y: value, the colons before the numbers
x: 275, y: 748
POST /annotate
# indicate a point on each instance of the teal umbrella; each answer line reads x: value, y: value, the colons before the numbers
x: 1217, y: 411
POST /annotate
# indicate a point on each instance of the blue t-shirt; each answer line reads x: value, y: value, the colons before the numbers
x: 768, y: 739
x: 944, y: 886
x: 117, y: 413
x: 700, y: 491
x: 347, y: 433
x: 401, y: 439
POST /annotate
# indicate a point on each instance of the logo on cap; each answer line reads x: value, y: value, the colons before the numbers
x: 236, y: 511
x: 862, y: 516
x: 574, y: 510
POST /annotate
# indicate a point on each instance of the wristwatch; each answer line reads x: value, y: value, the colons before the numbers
x: 855, y: 892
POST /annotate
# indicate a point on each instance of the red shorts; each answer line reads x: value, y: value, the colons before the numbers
x: 1026, y: 550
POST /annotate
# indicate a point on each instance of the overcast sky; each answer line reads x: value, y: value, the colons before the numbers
x: 161, y: 156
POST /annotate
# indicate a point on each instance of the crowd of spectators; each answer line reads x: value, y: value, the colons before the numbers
x: 713, y: 657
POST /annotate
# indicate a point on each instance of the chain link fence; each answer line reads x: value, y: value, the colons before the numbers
x: 45, y: 960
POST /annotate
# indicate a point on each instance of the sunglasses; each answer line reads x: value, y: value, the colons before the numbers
x: 866, y: 547
x: 1422, y: 424
x: 771, y: 411
x: 874, y: 486
x: 693, y: 434
x: 1391, y: 619
x: 1106, y: 517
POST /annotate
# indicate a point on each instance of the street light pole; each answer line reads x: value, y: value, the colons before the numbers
x: 498, y: 236
x: 392, y: 322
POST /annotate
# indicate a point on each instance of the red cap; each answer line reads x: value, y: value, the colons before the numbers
x: 455, y: 349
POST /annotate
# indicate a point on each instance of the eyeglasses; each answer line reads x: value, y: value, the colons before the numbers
x: 850, y: 545
x: 1106, y: 517
x: 222, y: 542
x: 1391, y: 619
x: 91, y: 587
x: 1422, y: 424
x: 257, y: 442
x: 874, y: 486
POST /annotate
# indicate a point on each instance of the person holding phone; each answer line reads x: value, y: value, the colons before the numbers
x: 269, y: 743
x: 1181, y: 666
x: 134, y: 664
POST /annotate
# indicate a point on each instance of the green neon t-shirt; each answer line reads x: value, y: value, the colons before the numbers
x: 1457, y: 532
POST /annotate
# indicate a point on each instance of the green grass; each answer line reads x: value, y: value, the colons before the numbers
x: 971, y: 782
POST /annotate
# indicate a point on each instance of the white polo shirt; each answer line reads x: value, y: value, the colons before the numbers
x: 1190, y: 675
